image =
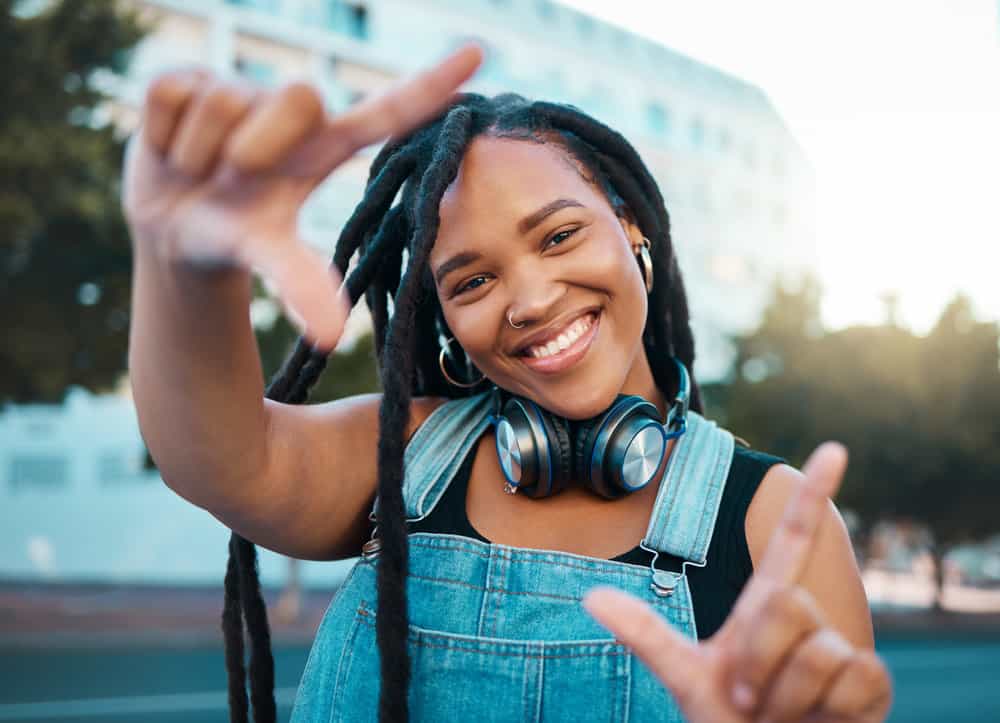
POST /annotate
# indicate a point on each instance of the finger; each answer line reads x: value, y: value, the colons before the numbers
x: 862, y: 687
x: 166, y: 98
x: 308, y: 287
x: 392, y: 113
x: 206, y: 125
x: 789, y: 547
x: 785, y: 618
x: 275, y: 127
x: 806, y: 676
x: 667, y: 653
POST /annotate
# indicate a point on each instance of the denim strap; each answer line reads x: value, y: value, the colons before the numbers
x: 688, y: 501
x: 438, y: 447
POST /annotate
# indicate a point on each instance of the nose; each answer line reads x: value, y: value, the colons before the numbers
x: 532, y: 297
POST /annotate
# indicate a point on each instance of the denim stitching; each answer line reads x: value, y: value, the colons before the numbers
x: 504, y: 591
x: 342, y: 672
x: 524, y: 555
x: 711, y: 508
x: 663, y: 542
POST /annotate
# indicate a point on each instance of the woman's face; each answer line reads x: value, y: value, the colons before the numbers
x: 523, y: 234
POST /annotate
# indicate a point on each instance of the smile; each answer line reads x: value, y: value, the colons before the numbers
x: 565, y: 349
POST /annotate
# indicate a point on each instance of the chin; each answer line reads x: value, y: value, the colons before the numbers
x: 580, y: 400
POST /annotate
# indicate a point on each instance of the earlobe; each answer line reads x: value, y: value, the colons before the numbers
x: 633, y: 233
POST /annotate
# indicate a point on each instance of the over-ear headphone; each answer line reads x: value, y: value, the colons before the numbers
x: 614, y: 453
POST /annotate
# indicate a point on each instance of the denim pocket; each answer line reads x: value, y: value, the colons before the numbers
x: 462, y: 678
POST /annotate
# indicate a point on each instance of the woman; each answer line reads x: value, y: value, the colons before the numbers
x: 525, y: 253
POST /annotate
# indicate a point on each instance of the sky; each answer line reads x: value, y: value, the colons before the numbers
x: 897, y: 105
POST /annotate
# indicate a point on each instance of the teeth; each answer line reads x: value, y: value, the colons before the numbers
x: 563, y: 341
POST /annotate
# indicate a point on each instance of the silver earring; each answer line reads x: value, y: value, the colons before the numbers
x: 511, y: 322
x: 444, y: 349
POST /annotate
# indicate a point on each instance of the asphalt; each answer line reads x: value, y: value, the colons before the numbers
x: 112, y: 653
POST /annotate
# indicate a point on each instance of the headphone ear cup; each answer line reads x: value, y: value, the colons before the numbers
x: 560, y: 449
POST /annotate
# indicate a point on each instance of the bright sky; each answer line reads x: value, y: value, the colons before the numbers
x: 897, y: 103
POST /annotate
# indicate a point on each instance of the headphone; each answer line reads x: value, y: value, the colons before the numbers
x: 612, y: 454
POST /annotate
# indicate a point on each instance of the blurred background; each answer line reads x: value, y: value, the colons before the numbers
x: 831, y: 171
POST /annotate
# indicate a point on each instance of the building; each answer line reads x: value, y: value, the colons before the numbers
x: 738, y: 187
x: 76, y: 504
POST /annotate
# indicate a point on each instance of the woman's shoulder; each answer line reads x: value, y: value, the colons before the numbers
x: 747, y: 472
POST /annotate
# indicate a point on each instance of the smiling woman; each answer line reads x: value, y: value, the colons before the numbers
x: 524, y: 248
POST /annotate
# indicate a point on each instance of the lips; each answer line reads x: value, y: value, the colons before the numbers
x: 565, y: 358
x: 544, y: 337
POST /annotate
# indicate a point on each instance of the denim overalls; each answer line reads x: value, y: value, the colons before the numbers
x: 497, y: 633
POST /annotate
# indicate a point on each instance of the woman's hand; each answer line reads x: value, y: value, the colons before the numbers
x: 216, y: 175
x: 775, y: 659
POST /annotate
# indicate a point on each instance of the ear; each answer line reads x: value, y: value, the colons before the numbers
x: 632, y: 232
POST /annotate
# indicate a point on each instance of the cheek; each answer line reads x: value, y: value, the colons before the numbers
x: 475, y: 330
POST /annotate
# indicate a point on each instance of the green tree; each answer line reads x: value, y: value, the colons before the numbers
x: 920, y: 415
x: 65, y: 262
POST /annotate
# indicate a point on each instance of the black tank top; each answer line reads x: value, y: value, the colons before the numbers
x: 714, y: 588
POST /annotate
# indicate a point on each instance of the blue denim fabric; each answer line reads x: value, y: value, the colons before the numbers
x: 497, y: 633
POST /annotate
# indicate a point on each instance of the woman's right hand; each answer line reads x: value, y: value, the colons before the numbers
x: 217, y: 174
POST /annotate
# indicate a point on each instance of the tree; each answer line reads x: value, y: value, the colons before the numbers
x: 920, y: 415
x: 65, y: 261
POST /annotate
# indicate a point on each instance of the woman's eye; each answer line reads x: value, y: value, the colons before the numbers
x: 558, y: 238
x: 470, y: 284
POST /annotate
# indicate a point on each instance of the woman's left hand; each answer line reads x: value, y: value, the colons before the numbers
x: 775, y: 658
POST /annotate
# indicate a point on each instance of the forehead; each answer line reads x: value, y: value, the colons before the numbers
x: 502, y: 180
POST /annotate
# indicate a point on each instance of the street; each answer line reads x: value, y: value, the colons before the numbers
x: 953, y: 679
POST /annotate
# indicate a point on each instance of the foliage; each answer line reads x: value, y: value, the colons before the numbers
x: 920, y: 415
x: 65, y: 262
x: 348, y: 371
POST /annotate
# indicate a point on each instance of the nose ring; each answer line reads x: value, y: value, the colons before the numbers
x: 511, y: 322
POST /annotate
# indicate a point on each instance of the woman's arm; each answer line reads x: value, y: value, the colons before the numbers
x: 213, y: 184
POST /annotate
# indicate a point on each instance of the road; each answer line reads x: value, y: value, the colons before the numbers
x: 955, y: 680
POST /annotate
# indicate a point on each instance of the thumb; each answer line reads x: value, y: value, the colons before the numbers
x: 310, y: 291
x: 667, y: 653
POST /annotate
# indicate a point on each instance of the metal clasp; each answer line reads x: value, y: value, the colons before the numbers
x: 370, y: 550
x: 664, y: 583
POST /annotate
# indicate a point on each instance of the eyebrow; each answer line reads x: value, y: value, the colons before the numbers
x: 456, y: 262
x: 531, y: 220
x: 523, y: 226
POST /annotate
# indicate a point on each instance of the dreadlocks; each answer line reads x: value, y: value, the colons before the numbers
x: 394, y: 244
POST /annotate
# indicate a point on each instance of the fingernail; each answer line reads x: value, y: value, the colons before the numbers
x: 742, y: 696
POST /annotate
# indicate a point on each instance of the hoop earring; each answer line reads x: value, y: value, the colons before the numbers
x: 646, y: 263
x: 444, y: 372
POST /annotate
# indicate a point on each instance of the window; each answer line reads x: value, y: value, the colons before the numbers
x: 39, y: 471
x: 657, y: 119
x: 357, y: 22
x: 268, y: 5
x: 697, y: 132
x: 255, y: 70
x: 725, y: 140
x: 115, y: 467
x: 546, y: 11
